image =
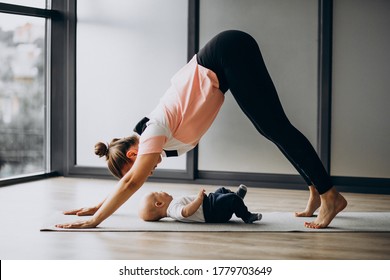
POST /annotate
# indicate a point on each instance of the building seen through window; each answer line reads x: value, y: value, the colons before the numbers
x: 22, y: 95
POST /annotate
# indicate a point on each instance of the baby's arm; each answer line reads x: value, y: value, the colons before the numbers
x: 192, y: 207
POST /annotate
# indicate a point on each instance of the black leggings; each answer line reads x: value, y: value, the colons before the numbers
x: 236, y: 59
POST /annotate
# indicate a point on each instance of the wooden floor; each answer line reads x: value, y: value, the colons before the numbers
x: 25, y: 207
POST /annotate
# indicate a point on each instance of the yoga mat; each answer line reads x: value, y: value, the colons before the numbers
x: 271, y: 222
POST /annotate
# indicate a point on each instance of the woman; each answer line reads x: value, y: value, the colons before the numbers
x: 231, y: 60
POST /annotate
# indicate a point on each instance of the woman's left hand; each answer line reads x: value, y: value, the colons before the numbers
x: 78, y: 224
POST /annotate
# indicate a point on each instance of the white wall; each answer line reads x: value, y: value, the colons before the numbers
x: 361, y: 93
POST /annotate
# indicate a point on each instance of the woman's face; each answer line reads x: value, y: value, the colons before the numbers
x: 159, y: 160
x: 130, y: 164
x: 126, y: 168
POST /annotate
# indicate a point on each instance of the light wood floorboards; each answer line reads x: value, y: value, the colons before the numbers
x: 25, y: 207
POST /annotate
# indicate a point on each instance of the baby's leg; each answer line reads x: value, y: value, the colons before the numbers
x: 241, y: 210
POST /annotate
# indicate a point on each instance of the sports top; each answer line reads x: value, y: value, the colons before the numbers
x: 184, y: 113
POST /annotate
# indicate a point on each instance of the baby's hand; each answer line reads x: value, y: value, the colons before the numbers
x: 201, y: 194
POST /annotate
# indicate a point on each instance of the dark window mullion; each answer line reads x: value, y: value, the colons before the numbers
x: 325, y: 81
x: 27, y: 11
x: 192, y: 49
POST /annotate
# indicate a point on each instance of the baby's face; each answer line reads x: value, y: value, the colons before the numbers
x: 162, y: 196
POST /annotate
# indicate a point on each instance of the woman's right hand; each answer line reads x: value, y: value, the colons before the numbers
x: 85, y: 211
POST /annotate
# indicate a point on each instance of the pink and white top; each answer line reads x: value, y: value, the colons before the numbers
x: 184, y: 114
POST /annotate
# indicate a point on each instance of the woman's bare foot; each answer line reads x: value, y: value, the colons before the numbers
x: 312, y: 205
x: 332, y: 203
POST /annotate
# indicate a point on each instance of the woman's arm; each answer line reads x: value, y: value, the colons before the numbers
x: 192, y: 207
x: 126, y: 187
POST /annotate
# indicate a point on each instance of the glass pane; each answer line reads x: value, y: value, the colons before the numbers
x: 287, y: 32
x: 22, y: 95
x: 30, y: 3
x: 126, y: 56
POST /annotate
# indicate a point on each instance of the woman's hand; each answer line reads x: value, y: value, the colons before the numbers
x: 85, y: 211
x: 78, y: 224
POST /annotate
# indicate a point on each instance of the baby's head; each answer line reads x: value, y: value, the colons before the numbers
x: 154, y: 206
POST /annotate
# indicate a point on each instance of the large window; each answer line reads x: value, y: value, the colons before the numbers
x: 23, y: 94
x: 126, y: 56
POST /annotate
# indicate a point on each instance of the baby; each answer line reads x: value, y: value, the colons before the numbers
x: 217, y: 207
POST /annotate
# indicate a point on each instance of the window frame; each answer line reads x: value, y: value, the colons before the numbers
x: 49, y: 15
x: 70, y: 166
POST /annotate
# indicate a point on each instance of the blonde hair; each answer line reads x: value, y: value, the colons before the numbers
x: 115, y: 153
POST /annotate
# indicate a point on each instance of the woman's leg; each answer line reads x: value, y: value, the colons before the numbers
x: 313, y: 203
x: 238, y: 63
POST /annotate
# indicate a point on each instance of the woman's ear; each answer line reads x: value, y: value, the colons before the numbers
x: 131, y: 153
